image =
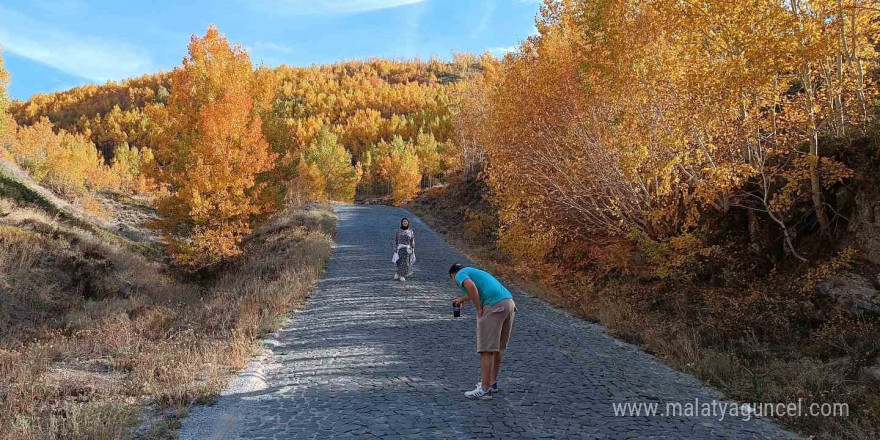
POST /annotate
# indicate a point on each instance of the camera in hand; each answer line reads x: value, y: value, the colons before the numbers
x: 456, y: 310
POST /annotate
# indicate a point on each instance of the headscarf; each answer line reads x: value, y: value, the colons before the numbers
x: 406, y: 226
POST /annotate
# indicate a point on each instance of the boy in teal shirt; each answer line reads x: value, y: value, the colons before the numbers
x: 495, y: 314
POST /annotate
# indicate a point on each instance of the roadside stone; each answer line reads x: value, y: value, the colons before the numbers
x: 852, y: 291
x: 872, y: 373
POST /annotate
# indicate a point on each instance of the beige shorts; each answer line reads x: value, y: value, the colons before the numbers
x: 494, y: 327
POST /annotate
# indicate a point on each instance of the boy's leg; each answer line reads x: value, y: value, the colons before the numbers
x: 506, y: 328
x: 496, y: 365
x: 487, y: 359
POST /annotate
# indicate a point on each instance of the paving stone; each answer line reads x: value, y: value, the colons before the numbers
x: 369, y: 357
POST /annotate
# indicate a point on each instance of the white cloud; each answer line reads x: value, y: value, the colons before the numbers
x: 268, y: 52
x: 87, y: 57
x: 323, y: 7
x: 412, y: 28
x: 270, y: 46
x: 488, y: 13
x: 501, y: 51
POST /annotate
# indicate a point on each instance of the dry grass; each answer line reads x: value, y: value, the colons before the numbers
x: 92, y: 330
x: 758, y: 342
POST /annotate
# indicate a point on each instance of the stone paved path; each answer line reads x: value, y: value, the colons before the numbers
x: 372, y: 358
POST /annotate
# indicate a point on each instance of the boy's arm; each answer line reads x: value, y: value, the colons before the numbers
x: 461, y: 300
x: 474, y: 295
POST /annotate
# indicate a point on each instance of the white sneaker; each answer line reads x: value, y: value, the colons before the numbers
x: 402, y: 279
x: 493, y: 388
x: 396, y: 277
x: 479, y: 394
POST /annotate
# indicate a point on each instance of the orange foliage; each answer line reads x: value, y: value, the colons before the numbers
x: 366, y: 103
x: 309, y: 183
x: 210, y: 153
x: 362, y: 102
x: 647, y: 116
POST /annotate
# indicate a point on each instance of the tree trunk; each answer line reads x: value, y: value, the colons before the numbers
x: 755, y: 237
x: 815, y: 180
x: 818, y: 203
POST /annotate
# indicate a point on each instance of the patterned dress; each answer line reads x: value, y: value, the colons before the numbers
x: 405, y: 246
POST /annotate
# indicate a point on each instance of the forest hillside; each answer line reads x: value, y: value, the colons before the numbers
x: 699, y: 177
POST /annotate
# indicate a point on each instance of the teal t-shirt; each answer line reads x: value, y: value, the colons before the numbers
x: 491, y: 291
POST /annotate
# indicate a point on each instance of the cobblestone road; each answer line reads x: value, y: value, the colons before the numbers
x: 373, y: 358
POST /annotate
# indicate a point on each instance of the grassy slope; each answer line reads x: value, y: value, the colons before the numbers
x: 92, y: 328
x: 16, y: 186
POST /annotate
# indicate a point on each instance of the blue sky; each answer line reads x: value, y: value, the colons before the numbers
x: 51, y: 45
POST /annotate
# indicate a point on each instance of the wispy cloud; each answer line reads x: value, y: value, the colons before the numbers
x: 501, y: 51
x: 331, y: 7
x: 412, y: 29
x: 270, y: 46
x: 268, y: 52
x: 489, y: 7
x: 92, y: 58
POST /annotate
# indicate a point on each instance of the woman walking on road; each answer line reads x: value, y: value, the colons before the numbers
x: 404, y: 250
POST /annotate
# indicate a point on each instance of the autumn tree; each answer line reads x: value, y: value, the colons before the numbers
x: 472, y: 101
x: 65, y: 162
x: 430, y: 154
x: 127, y: 165
x: 624, y: 117
x: 307, y: 185
x: 335, y: 174
x: 399, y: 164
x: 211, y: 152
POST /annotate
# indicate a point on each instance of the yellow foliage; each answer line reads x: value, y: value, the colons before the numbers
x: 630, y: 116
x: 329, y: 169
x: 430, y: 154
x: 126, y: 167
x: 362, y: 102
x: 816, y: 275
x: 210, y: 153
x: 674, y: 257
x: 65, y: 162
x: 93, y: 205
x: 308, y: 184
x: 399, y: 164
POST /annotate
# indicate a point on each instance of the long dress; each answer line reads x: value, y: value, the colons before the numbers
x: 405, y: 246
